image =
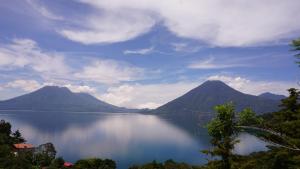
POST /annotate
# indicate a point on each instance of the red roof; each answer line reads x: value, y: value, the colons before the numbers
x: 23, y: 146
x: 68, y: 164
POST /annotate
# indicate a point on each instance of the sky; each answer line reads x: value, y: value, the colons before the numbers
x: 144, y: 53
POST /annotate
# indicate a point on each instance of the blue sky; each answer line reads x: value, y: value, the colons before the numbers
x: 142, y: 53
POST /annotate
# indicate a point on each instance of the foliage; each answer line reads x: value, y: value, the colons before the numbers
x: 57, y: 163
x: 223, y: 132
x: 7, y: 139
x: 286, y: 122
x: 95, y: 163
x: 247, y: 117
x: 42, y: 159
x: 169, y: 164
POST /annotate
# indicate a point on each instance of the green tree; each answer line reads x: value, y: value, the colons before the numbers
x: 223, y: 131
x: 290, y: 105
x: 247, y: 117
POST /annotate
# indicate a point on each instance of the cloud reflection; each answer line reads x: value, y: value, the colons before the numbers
x: 126, y: 138
x: 115, y: 136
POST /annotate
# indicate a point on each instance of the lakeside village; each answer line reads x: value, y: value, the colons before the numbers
x: 47, y: 149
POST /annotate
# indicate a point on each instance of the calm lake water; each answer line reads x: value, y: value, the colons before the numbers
x: 126, y: 138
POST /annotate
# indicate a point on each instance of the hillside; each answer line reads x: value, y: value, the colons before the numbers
x: 53, y: 98
x: 203, y: 98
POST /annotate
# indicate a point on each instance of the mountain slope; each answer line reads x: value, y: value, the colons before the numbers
x: 272, y: 96
x: 53, y: 98
x: 203, y: 98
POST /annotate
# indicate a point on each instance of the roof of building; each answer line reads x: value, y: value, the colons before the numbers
x: 23, y: 146
x: 68, y: 164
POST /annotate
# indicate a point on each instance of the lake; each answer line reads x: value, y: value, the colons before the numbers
x: 127, y: 138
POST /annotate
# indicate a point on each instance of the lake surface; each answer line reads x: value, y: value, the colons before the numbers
x: 126, y: 138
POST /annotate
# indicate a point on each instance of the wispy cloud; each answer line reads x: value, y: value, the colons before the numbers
x: 110, y: 28
x: 37, y: 6
x: 185, y: 47
x: 139, y: 51
x: 213, y: 63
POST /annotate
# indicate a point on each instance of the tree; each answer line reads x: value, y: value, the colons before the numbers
x: 17, y: 137
x: 247, y: 117
x: 223, y: 131
x: 290, y: 105
x: 6, y: 135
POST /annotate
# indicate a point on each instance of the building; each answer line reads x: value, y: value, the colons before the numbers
x: 22, y: 147
x: 68, y: 164
x: 47, y: 148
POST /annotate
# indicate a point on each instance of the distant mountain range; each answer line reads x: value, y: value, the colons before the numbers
x: 272, y: 96
x: 205, y: 97
x: 199, y: 100
x: 53, y: 98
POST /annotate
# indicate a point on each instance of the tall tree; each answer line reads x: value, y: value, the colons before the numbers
x: 290, y: 105
x: 223, y: 131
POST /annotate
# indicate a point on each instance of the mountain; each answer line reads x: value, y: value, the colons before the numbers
x: 202, y: 99
x: 53, y: 98
x: 272, y: 96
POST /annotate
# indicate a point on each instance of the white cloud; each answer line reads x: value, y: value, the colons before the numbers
x: 109, y: 72
x: 255, y: 87
x: 145, y: 96
x: 110, y: 27
x: 230, y: 23
x: 25, y: 85
x: 25, y: 53
x: 25, y: 56
x: 139, y: 51
x: 81, y: 88
x: 212, y: 63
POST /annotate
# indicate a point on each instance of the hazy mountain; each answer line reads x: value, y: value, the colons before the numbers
x: 272, y: 96
x: 203, y: 98
x: 53, y: 98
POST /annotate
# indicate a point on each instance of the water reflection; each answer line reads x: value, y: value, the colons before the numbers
x: 126, y: 138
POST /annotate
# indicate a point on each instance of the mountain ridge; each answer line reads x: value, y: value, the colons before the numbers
x: 199, y: 100
x: 203, y: 98
x: 55, y: 98
x: 272, y: 96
